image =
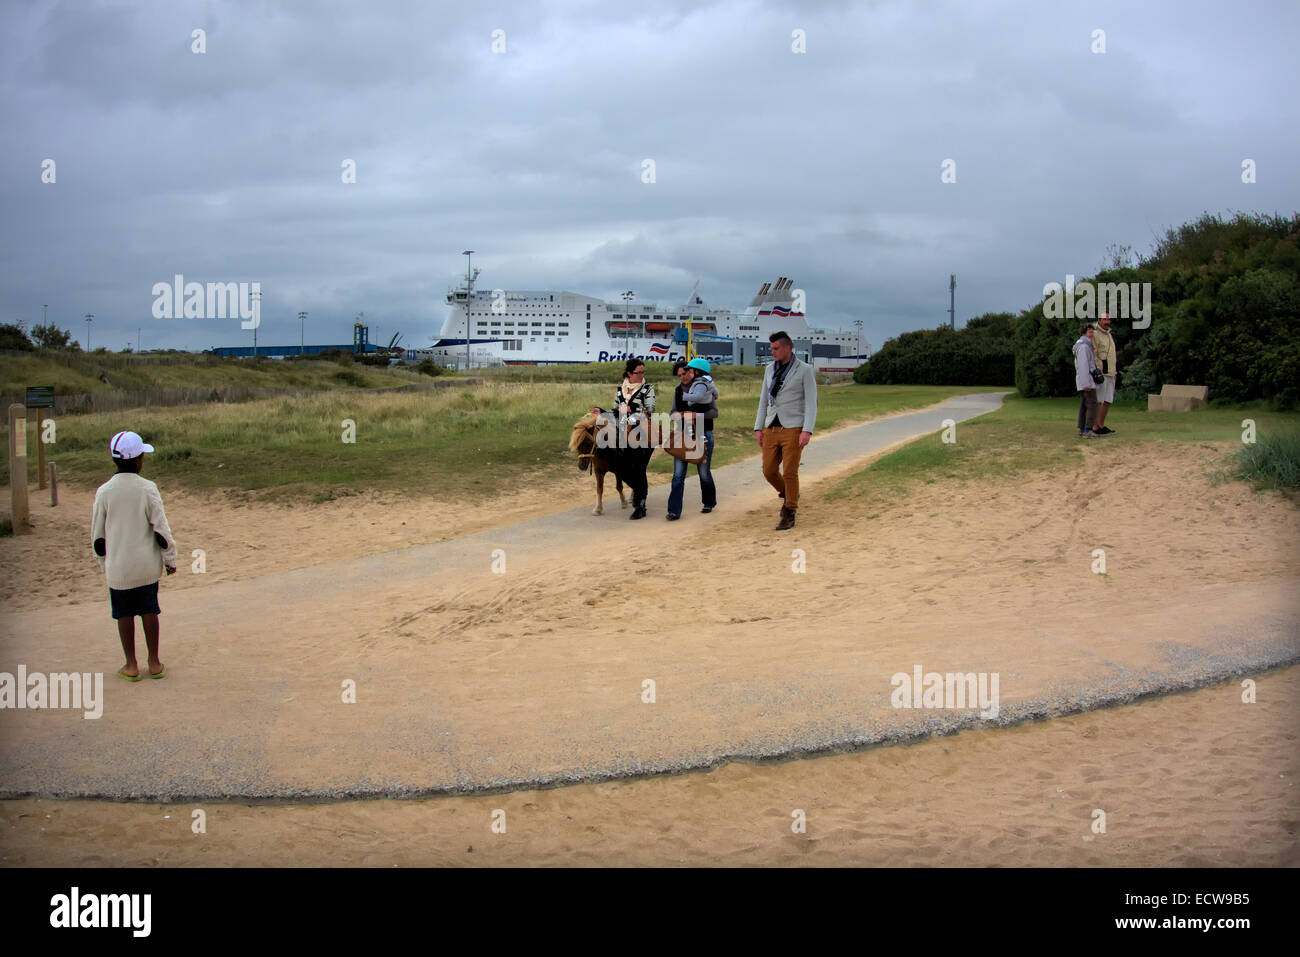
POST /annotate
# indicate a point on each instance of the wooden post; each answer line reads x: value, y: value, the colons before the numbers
x: 40, y: 450
x: 18, y: 469
x: 54, y: 487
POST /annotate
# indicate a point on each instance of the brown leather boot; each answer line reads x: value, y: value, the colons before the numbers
x: 787, y: 519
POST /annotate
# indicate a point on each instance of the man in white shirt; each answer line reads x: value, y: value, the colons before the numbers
x: 133, y: 545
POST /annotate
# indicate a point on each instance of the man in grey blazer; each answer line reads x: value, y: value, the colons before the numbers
x: 787, y: 411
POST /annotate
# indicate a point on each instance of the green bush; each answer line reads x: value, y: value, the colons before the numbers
x: 427, y: 366
x: 982, y: 353
x: 350, y: 377
x: 1225, y: 313
x: 13, y: 337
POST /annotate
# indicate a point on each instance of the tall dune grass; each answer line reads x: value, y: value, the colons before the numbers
x: 464, y: 443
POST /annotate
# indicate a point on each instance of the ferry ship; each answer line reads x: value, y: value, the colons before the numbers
x: 541, y: 327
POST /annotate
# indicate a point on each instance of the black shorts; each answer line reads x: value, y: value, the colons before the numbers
x: 129, y: 602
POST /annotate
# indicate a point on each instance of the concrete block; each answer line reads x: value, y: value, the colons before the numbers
x: 1199, y: 394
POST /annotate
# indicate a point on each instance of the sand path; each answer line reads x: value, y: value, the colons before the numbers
x: 480, y: 680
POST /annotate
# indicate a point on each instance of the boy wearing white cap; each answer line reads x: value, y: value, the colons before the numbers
x: 133, y: 545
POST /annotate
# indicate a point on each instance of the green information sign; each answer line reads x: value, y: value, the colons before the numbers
x: 40, y: 397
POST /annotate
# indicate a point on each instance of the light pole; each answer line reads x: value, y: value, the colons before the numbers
x: 137, y: 338
x: 858, y: 348
x: 257, y: 316
x: 302, y: 321
x: 469, y: 297
x: 89, y: 317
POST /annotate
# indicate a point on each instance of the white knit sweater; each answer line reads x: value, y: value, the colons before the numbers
x: 128, y: 510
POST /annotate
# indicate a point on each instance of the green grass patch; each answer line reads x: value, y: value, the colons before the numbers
x: 1028, y: 435
x: 466, y: 443
x: 1271, y: 462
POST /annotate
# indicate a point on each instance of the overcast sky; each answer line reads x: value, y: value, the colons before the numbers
x: 823, y: 166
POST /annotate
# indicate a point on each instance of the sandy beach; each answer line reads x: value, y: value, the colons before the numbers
x: 1195, y: 778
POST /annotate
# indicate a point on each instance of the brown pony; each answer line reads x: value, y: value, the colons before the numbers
x: 583, y: 441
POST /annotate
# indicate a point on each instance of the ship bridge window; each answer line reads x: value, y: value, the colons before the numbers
x: 618, y: 315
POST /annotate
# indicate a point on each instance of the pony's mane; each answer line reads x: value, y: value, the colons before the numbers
x: 585, y: 426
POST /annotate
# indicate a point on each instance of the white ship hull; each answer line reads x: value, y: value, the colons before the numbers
x: 540, y: 327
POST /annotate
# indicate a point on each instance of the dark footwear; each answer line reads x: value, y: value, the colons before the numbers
x: 1096, y: 434
x: 671, y: 517
x: 706, y: 510
x: 787, y: 519
x: 1107, y: 430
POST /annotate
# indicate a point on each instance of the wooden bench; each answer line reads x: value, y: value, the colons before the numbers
x: 1178, y: 398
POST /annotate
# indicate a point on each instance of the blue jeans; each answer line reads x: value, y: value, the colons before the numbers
x: 708, y: 493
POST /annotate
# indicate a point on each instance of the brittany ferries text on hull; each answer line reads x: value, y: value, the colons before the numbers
x: 532, y: 327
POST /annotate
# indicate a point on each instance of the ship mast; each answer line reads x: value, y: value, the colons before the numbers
x: 690, y: 329
x: 469, y: 296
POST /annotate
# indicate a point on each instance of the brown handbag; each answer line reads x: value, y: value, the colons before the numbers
x: 675, y: 445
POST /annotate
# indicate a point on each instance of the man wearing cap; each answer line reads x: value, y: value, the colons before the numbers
x: 133, y: 544
x: 787, y: 410
x: 1103, y: 345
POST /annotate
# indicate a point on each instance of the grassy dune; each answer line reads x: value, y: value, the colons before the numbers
x: 465, y: 443
x: 71, y: 373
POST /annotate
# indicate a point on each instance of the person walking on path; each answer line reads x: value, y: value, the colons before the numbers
x: 696, y: 398
x: 633, y: 406
x: 787, y: 411
x: 1085, y: 381
x: 132, y: 543
x: 1103, y: 344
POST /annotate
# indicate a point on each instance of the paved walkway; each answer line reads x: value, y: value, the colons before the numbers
x: 457, y: 691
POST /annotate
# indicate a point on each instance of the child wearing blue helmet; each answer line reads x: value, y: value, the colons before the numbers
x: 697, y: 394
